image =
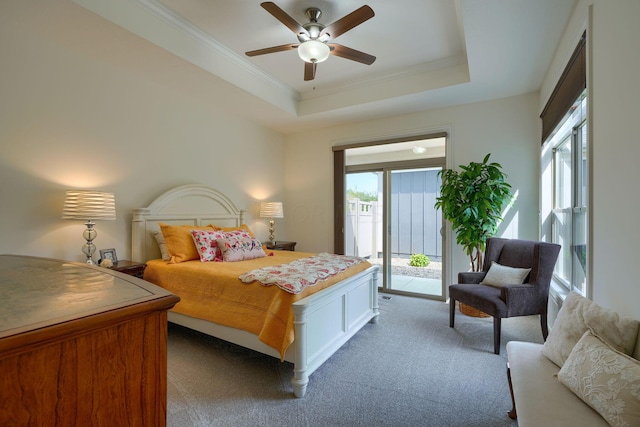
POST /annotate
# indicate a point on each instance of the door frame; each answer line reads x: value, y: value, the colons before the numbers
x: 339, y: 166
x: 340, y: 171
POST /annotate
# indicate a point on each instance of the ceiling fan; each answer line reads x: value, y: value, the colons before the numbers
x: 313, y: 37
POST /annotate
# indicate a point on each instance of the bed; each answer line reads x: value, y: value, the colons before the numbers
x: 322, y: 322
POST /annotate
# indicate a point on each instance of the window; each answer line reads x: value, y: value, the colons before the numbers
x: 565, y: 174
x: 569, y: 208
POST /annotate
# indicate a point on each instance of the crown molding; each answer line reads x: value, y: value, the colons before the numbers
x: 164, y: 28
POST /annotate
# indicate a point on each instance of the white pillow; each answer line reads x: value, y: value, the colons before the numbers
x: 579, y: 314
x: 500, y: 275
x: 604, y: 379
x: 162, y: 245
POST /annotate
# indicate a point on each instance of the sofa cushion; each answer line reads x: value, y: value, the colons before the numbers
x: 542, y: 400
x: 579, y: 314
x: 605, y: 379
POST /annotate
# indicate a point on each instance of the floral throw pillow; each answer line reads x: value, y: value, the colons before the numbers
x: 239, y: 247
x: 605, y: 379
x: 206, y: 244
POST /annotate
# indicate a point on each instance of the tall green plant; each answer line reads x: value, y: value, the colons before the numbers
x: 472, y: 200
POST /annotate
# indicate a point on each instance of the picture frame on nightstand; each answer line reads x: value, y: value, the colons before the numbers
x: 109, y: 254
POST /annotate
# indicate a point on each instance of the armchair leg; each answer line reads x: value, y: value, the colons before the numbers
x: 452, y: 312
x: 497, y: 322
x: 543, y: 325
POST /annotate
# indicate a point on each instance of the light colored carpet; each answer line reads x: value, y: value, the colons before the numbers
x: 410, y: 369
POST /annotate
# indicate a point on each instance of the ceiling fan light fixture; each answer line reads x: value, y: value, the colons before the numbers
x: 313, y: 51
x: 313, y: 37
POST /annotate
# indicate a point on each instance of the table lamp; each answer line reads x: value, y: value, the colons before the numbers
x: 271, y: 210
x: 89, y: 205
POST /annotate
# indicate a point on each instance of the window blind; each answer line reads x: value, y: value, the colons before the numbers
x: 571, y: 84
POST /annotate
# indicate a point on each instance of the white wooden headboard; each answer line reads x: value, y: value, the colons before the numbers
x: 185, y: 205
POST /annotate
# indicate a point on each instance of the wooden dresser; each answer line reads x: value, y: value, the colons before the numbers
x: 80, y: 345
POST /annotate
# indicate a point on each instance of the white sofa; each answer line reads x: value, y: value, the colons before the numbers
x: 540, y: 398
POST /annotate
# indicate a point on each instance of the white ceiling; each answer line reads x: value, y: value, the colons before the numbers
x: 430, y: 53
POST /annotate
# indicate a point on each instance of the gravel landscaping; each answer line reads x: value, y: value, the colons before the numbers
x: 401, y: 267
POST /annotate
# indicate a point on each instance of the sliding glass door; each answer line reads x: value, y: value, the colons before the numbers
x: 384, y: 198
x: 391, y: 221
x: 415, y: 242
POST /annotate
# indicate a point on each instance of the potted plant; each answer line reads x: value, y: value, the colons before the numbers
x: 472, y: 200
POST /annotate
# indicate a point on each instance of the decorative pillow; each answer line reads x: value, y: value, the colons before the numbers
x: 161, y: 244
x: 179, y: 241
x: 605, y: 379
x: 207, y: 245
x: 500, y: 275
x: 579, y: 314
x: 239, y: 248
x: 241, y: 227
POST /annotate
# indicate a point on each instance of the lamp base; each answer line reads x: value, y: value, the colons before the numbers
x: 271, y: 231
x: 89, y: 248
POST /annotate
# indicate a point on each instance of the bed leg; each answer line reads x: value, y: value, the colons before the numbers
x: 374, y: 319
x: 375, y: 307
x: 300, y: 382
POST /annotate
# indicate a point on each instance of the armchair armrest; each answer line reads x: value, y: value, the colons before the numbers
x: 520, y: 299
x: 471, y: 277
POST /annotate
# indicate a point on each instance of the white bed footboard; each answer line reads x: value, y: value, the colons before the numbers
x: 326, y: 320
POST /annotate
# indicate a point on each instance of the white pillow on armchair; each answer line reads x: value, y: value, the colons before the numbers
x: 501, y: 275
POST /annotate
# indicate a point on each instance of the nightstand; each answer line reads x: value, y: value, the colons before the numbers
x: 130, y: 267
x: 281, y: 245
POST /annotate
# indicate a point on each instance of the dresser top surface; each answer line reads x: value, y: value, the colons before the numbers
x: 37, y: 291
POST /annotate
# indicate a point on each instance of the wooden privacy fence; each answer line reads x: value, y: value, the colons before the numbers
x: 363, y: 229
x: 415, y: 223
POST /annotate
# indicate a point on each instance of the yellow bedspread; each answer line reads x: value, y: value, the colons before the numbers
x: 212, y: 291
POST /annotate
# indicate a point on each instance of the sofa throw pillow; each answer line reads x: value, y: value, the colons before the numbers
x: 605, y: 379
x: 206, y: 242
x: 500, y: 275
x: 579, y: 314
x: 240, y: 248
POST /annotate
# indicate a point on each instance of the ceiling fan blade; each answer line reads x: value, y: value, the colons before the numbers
x: 352, y: 54
x: 349, y: 21
x: 309, y: 71
x: 283, y: 17
x: 272, y: 49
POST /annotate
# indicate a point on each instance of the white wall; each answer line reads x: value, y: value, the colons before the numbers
x: 74, y: 113
x: 506, y: 128
x: 613, y: 68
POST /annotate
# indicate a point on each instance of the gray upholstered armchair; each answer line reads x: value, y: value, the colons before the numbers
x: 510, y: 300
